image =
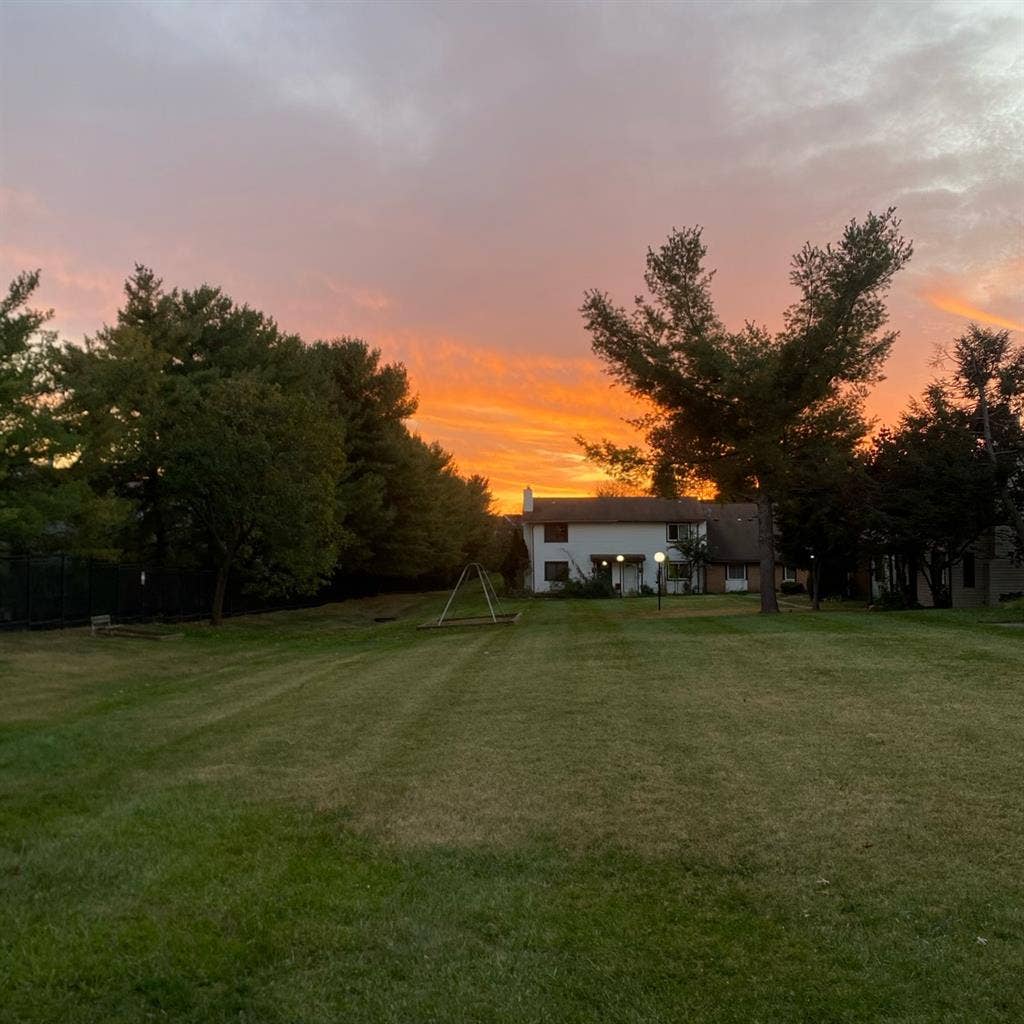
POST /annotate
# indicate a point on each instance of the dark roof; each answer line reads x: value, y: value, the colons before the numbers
x: 615, y: 510
x: 732, y: 526
x: 732, y: 532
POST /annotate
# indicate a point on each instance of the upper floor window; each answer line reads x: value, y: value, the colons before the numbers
x: 556, y: 533
x: 680, y: 531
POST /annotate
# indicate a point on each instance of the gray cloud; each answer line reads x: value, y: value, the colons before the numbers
x: 468, y: 170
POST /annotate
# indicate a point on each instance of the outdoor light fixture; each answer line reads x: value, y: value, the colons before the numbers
x: 659, y: 557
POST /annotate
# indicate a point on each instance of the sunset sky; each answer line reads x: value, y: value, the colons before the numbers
x: 445, y: 180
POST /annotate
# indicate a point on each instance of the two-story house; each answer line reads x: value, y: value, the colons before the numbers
x: 576, y: 537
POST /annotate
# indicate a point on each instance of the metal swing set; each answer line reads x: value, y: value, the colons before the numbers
x: 497, y: 617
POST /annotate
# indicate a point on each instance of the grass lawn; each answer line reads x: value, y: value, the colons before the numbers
x: 599, y: 814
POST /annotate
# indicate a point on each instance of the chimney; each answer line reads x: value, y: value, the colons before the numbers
x: 527, y: 499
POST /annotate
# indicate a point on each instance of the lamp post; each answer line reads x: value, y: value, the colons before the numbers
x: 659, y: 557
x: 622, y: 574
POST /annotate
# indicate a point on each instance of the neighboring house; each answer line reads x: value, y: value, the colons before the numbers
x: 577, y: 537
x: 986, y: 573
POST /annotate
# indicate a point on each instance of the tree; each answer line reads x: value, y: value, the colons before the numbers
x: 516, y: 561
x: 821, y: 525
x: 989, y: 375
x: 820, y: 515
x: 45, y: 505
x: 739, y: 408
x: 255, y: 467
x: 371, y: 400
x: 210, y: 420
x: 123, y: 391
x: 932, y: 492
x: 695, y: 553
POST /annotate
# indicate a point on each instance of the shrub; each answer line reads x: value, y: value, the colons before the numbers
x: 893, y: 601
x: 594, y: 586
x: 792, y: 587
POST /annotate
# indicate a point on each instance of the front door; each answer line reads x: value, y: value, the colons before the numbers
x: 630, y: 578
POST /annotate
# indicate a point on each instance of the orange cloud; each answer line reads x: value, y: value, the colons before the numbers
x: 958, y: 307
x: 512, y: 418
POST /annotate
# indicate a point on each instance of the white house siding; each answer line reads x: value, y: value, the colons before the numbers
x: 1004, y: 575
x: 586, y: 539
x: 995, y: 573
x: 976, y: 596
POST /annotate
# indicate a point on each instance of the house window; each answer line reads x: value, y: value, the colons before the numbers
x: 735, y: 572
x: 969, y: 570
x: 556, y: 533
x: 556, y: 572
x: 678, y: 571
x: 789, y: 574
x: 679, y: 531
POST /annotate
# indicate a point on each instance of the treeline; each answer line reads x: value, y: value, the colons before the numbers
x: 920, y: 494
x: 195, y: 433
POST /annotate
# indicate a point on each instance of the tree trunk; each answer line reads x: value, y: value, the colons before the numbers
x: 766, y: 551
x: 816, y: 584
x: 217, y: 612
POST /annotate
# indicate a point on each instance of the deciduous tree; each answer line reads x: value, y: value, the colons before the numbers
x: 932, y: 491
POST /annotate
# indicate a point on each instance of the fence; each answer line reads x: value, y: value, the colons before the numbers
x: 54, y: 591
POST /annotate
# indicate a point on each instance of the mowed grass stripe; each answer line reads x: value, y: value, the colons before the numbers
x: 599, y: 815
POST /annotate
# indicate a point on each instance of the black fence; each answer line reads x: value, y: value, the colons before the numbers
x: 54, y: 591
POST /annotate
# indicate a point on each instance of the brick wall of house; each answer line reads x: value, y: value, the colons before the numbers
x: 716, y: 579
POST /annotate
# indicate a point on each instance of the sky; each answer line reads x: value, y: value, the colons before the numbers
x: 446, y: 180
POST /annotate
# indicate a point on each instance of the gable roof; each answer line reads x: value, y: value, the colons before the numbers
x: 732, y: 525
x: 615, y: 510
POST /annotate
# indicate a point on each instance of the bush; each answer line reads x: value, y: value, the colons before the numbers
x: 792, y: 587
x: 593, y: 586
x: 893, y: 601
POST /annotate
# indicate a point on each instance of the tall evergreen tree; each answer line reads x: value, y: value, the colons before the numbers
x: 737, y: 408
